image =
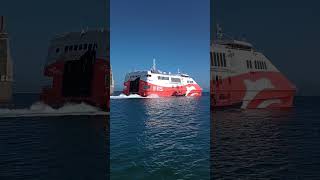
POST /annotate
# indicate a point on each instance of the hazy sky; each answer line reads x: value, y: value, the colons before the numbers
x: 286, y: 31
x: 175, y: 32
x: 31, y: 24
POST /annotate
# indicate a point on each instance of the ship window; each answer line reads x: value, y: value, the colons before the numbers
x: 70, y: 48
x: 146, y: 87
x: 95, y: 46
x: 224, y: 60
x: 57, y: 50
x: 148, y: 75
x: 75, y: 47
x: 250, y: 63
x: 85, y: 46
x: 177, y: 80
x: 66, y: 49
x: 80, y: 47
x: 163, y: 78
x: 218, y: 59
x: 265, y: 65
x: 215, y: 59
x: 255, y: 65
x: 211, y: 60
x: 248, y: 66
x: 90, y: 46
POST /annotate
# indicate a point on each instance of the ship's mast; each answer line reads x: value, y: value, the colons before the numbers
x: 2, y: 24
x: 219, y: 32
x: 154, y: 65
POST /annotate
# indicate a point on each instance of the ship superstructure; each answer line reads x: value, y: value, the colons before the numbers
x: 6, y: 77
x: 242, y: 76
x: 162, y: 84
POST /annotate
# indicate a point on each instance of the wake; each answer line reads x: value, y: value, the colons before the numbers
x: 133, y: 96
x: 40, y: 109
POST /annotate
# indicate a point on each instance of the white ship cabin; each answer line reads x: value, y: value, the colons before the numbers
x: 160, y: 77
x: 72, y: 45
x: 233, y: 57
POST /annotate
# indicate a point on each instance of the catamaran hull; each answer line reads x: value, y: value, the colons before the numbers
x: 146, y: 89
x: 253, y: 90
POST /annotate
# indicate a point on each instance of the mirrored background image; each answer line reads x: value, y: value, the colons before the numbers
x: 264, y: 120
x: 63, y: 139
x: 159, y: 55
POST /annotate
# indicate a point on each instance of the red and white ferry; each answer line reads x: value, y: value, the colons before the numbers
x: 162, y: 84
x: 78, y: 64
x: 243, y: 76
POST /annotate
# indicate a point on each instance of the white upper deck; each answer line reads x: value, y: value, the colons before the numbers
x: 72, y: 45
x: 160, y: 78
x: 231, y: 57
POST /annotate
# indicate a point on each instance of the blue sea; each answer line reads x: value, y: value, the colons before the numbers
x: 267, y: 144
x: 160, y: 138
x: 37, y: 142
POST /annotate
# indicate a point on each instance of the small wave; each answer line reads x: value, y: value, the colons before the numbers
x: 40, y: 109
x: 133, y: 96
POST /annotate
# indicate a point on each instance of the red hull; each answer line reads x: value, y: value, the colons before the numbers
x: 187, y: 90
x: 253, y: 90
x: 100, y: 91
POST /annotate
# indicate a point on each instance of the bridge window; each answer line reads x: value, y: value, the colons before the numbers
x: 163, y: 78
x: 85, y: 46
x: 57, y: 50
x: 66, y: 49
x: 176, y: 80
x: 70, y: 48
x: 75, y: 47
x: 215, y: 59
x: 224, y: 60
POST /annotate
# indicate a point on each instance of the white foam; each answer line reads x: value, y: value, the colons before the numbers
x: 40, y: 109
x: 133, y: 96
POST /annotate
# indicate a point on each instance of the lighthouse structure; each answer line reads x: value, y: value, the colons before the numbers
x: 6, y: 78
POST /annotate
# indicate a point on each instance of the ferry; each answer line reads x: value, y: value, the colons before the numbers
x: 242, y: 76
x: 6, y: 77
x: 78, y: 68
x: 162, y: 84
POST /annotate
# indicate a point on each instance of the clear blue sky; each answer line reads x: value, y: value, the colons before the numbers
x: 175, y: 32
